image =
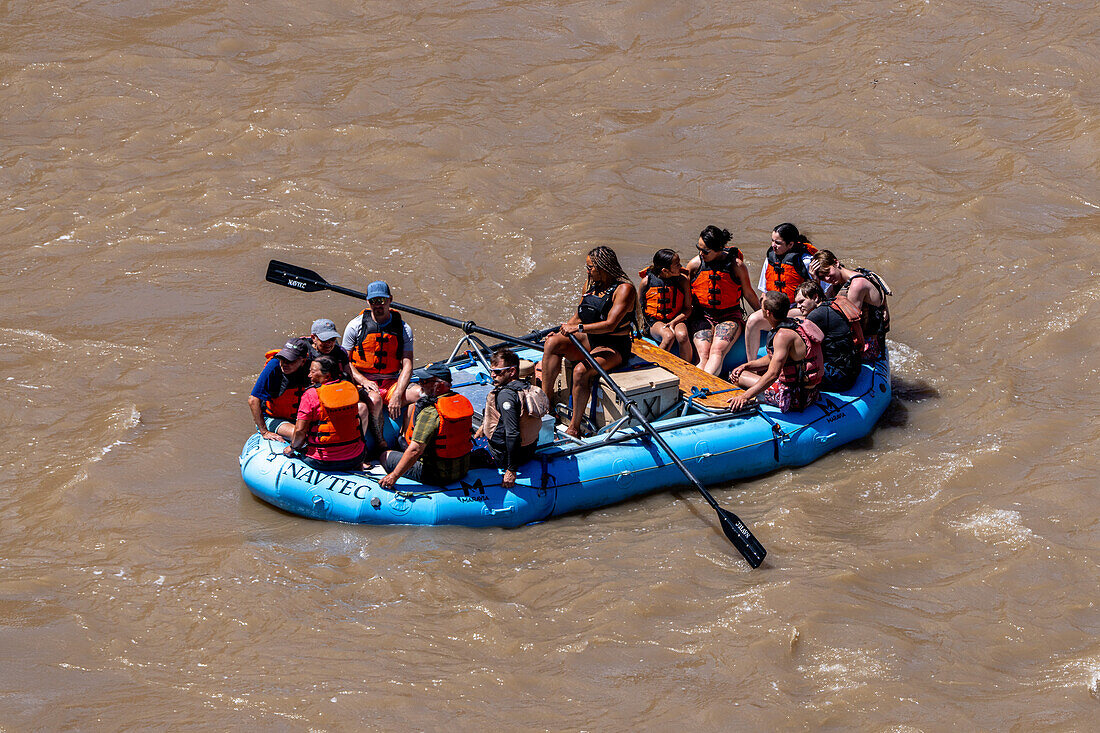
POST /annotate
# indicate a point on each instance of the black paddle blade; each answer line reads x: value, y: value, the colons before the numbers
x: 742, y: 538
x: 299, y: 278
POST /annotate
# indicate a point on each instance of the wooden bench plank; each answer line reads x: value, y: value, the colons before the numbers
x: 689, y: 374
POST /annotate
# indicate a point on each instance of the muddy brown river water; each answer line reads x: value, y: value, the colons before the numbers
x: 940, y: 574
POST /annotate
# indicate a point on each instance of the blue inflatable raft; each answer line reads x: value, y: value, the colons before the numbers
x: 618, y: 462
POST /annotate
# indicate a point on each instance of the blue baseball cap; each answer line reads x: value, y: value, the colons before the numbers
x: 378, y: 289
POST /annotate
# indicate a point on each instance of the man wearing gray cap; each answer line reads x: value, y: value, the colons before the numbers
x: 325, y: 341
x: 380, y: 346
x: 439, y: 437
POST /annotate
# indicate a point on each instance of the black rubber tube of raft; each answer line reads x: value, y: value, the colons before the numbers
x: 735, y: 530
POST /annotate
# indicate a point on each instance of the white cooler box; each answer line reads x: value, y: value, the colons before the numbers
x: 655, y: 391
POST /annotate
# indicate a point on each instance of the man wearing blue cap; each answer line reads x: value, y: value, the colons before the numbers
x: 380, y: 346
x: 439, y: 437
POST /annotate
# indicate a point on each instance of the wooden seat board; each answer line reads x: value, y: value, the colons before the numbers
x: 689, y: 374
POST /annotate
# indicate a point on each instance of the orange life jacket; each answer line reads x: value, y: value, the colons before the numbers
x: 378, y: 349
x: 664, y: 299
x: 285, y: 404
x: 456, y: 414
x: 716, y: 286
x: 854, y: 317
x: 786, y: 273
x: 339, y: 415
x: 804, y: 373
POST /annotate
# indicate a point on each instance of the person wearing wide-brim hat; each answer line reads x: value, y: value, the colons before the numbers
x: 440, y: 436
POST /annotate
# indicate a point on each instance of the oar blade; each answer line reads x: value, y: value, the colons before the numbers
x: 749, y: 547
x: 292, y: 276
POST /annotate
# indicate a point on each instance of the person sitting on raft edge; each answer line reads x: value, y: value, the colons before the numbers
x: 440, y: 434
x: 789, y: 375
x: 602, y: 324
x: 274, y: 398
x: 866, y: 291
x: 328, y: 430
x: 513, y: 416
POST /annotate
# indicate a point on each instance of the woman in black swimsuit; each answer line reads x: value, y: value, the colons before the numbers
x: 602, y: 323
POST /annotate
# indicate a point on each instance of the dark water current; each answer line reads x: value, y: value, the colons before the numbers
x: 154, y: 155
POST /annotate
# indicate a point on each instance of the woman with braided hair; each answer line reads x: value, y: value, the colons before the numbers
x: 602, y: 323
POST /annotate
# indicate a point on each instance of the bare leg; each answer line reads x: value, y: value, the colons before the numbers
x: 747, y: 379
x: 556, y: 347
x: 552, y: 352
x: 725, y: 333
x: 683, y: 339
x: 753, y: 326
x: 662, y: 334
x: 286, y: 430
x: 702, y: 346
x: 583, y: 377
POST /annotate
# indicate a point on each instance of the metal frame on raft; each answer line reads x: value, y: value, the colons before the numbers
x: 606, y: 435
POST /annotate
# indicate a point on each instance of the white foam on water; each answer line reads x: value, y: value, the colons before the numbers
x: 998, y: 527
x: 840, y: 669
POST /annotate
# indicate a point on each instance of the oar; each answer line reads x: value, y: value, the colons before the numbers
x: 309, y: 281
x: 732, y: 525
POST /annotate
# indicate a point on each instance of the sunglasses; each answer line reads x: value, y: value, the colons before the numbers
x: 498, y: 370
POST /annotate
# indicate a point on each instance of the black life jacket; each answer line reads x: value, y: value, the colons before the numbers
x: 596, y: 305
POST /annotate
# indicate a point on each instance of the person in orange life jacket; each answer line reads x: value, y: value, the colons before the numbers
x: 867, y: 292
x: 325, y: 341
x: 440, y: 441
x: 512, y: 435
x: 838, y: 348
x: 789, y: 375
x: 602, y: 324
x: 786, y: 266
x: 380, y: 346
x: 274, y: 398
x: 718, y: 282
x: 327, y: 428
x: 667, y: 302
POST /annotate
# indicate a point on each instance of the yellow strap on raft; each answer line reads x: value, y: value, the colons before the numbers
x: 689, y: 374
